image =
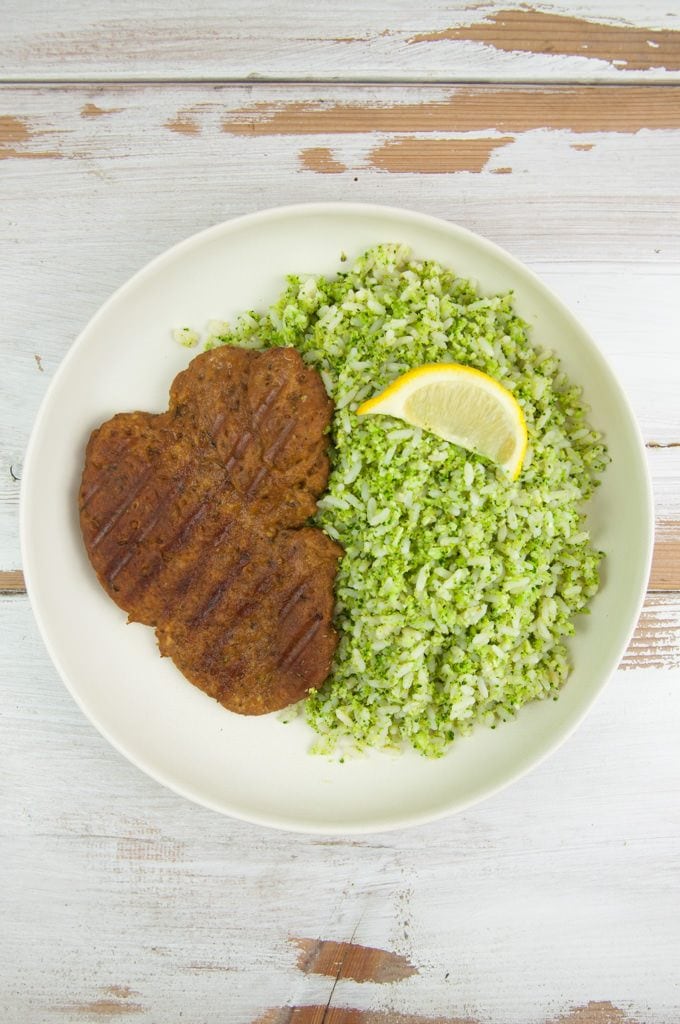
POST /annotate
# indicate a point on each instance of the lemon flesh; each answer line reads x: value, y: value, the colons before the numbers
x: 461, y: 405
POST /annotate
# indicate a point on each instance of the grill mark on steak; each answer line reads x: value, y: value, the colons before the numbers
x: 299, y: 646
x: 118, y: 564
x: 175, y: 544
x: 172, y: 596
x: 109, y: 524
x: 139, y: 589
x: 88, y: 494
x: 220, y: 590
x: 186, y: 529
x: 193, y: 571
x: 257, y: 480
x: 292, y: 600
x: 273, y: 450
x: 244, y: 441
x: 247, y: 607
x: 238, y: 588
x: 266, y: 404
x: 281, y: 440
x: 217, y: 423
x: 223, y: 534
x: 239, y: 450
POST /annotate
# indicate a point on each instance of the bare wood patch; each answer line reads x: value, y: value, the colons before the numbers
x: 101, y: 1008
x: 324, y: 1014
x: 595, y: 1013
x: 17, y: 154
x: 592, y: 1013
x: 507, y: 109
x: 321, y: 160
x: 527, y: 31
x: 656, y: 641
x: 142, y: 848
x: 184, y: 125
x: 12, y: 582
x: 583, y: 147
x: 121, y: 991
x: 92, y: 110
x: 340, y: 960
x: 274, y: 1016
x: 13, y: 129
x: 15, y: 134
x: 665, y: 574
x: 435, y: 156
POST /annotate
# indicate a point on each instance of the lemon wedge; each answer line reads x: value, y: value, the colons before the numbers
x: 459, y: 404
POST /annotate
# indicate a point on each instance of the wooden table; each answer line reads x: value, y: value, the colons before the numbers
x: 126, y: 127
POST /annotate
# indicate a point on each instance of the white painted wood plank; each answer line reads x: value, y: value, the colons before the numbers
x: 569, y: 175
x: 433, y: 41
x: 118, y: 897
x: 631, y: 313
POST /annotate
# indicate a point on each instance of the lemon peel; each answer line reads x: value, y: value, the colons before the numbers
x: 459, y: 404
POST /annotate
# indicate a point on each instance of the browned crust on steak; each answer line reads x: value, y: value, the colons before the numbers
x: 193, y: 521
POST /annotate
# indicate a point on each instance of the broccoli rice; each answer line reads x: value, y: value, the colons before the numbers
x: 458, y: 587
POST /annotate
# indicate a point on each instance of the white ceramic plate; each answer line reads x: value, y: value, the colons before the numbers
x: 256, y: 768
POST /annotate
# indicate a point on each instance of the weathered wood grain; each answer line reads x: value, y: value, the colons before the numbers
x: 436, y: 40
x: 554, y: 903
x: 665, y: 573
x: 656, y: 641
x: 410, y: 154
x: 12, y: 582
x: 119, y: 894
x: 326, y: 1014
x: 506, y: 147
x: 507, y: 109
x: 603, y: 1012
x: 551, y: 34
x: 339, y: 960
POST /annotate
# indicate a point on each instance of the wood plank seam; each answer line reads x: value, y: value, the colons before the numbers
x: 595, y: 41
x: 396, y: 81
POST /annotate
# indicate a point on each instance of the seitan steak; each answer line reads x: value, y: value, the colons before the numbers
x: 193, y: 521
